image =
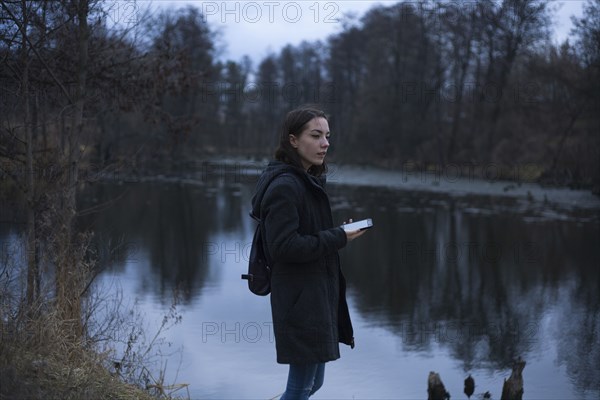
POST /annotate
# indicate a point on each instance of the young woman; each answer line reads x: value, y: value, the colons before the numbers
x: 308, y: 290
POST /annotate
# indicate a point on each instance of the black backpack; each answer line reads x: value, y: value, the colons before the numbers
x: 259, y: 272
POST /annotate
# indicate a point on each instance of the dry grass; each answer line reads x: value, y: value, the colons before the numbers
x: 40, y: 358
x: 59, y: 339
x: 39, y: 364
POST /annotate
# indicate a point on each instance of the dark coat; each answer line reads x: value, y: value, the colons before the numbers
x: 308, y: 290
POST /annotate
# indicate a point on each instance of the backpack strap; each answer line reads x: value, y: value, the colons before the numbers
x: 259, y: 226
x: 254, y: 217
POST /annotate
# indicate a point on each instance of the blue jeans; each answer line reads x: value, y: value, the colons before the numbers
x: 303, y: 381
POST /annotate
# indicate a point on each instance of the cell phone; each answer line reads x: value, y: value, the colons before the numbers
x: 358, y: 225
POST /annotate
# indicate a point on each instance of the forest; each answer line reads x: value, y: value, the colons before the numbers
x: 410, y: 84
x: 418, y: 85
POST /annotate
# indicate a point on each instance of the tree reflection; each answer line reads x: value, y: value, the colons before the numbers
x: 436, y: 271
x: 578, y: 331
x: 169, y: 226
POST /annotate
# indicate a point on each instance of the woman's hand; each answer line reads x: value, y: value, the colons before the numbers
x: 351, y: 235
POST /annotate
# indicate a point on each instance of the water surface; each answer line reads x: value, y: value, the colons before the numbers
x: 457, y: 285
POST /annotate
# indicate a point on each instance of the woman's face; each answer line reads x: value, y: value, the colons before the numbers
x: 312, y: 143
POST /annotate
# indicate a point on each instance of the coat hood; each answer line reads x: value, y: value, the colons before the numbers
x: 273, y: 170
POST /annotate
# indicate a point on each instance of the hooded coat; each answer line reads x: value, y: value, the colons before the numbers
x: 308, y: 289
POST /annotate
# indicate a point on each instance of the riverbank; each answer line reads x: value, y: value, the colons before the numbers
x: 52, y: 371
x: 460, y: 186
x: 453, y: 181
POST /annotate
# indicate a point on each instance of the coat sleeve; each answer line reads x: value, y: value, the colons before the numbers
x: 281, y: 221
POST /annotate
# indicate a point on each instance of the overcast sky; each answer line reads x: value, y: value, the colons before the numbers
x: 256, y: 28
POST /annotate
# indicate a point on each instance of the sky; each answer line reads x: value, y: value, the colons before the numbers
x: 257, y: 28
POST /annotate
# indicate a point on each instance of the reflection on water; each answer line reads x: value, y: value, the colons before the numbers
x: 487, y: 288
x: 444, y: 284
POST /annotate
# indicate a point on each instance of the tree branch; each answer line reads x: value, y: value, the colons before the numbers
x: 20, y: 26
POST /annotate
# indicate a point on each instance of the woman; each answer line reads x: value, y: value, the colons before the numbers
x: 308, y: 290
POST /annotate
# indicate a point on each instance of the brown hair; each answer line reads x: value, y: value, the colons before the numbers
x: 294, y: 123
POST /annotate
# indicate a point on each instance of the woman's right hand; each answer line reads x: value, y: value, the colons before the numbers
x: 354, y: 234
x: 351, y: 235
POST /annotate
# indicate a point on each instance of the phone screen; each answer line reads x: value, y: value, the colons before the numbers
x: 358, y: 225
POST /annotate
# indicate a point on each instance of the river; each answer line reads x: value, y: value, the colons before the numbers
x: 459, y: 283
